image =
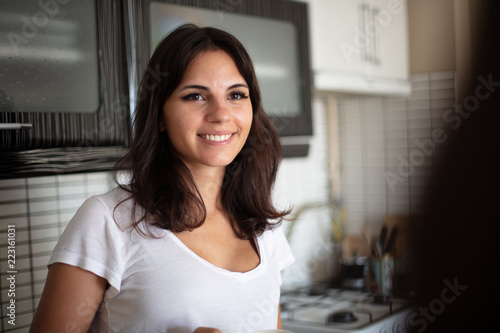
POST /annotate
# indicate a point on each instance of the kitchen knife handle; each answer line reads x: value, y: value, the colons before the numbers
x: 382, y: 237
x: 392, y: 240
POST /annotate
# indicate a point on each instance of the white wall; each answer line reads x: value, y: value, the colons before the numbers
x: 304, y: 181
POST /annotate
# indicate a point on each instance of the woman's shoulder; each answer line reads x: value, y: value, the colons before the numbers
x: 273, y: 235
x: 117, y: 205
x: 276, y: 244
x: 113, y: 197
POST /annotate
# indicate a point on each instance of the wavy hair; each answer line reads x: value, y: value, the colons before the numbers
x: 161, y: 184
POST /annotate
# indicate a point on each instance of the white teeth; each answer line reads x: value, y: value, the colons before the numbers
x: 216, y: 138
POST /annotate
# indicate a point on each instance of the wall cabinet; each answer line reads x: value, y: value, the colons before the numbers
x: 360, y: 46
x: 64, y: 103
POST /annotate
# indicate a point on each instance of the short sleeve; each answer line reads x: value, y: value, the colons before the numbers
x: 281, y: 255
x: 94, y: 242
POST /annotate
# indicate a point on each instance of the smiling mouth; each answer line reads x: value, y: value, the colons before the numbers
x: 216, y: 138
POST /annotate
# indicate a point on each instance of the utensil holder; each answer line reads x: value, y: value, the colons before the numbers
x: 382, y: 274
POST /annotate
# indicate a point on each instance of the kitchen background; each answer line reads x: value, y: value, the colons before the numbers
x: 370, y: 154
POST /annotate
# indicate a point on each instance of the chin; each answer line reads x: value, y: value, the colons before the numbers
x: 222, y: 161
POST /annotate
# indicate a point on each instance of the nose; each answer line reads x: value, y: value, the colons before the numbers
x: 218, y: 112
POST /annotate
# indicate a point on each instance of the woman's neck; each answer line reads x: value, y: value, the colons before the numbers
x: 209, y: 182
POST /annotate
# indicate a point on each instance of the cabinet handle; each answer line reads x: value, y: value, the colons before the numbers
x: 15, y: 126
x: 365, y: 8
x: 376, y: 35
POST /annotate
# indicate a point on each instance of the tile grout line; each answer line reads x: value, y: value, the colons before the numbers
x: 30, y: 251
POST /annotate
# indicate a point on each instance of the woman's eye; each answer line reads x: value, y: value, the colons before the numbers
x: 237, y: 95
x: 193, y: 97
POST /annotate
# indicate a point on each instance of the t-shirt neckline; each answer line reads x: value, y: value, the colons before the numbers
x: 216, y: 268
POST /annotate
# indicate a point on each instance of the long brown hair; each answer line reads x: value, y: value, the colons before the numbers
x: 161, y: 184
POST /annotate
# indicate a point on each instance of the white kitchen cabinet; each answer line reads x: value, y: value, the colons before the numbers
x: 360, y: 46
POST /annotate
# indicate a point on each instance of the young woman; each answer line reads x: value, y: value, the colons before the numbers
x: 192, y: 244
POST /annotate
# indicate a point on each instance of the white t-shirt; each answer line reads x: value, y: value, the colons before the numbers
x: 160, y: 285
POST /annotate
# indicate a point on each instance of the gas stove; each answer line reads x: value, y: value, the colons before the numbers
x: 329, y: 310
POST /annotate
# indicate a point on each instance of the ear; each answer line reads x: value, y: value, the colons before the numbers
x: 162, y: 126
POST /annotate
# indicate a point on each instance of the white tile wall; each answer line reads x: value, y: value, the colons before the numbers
x: 381, y: 137
x: 40, y: 208
x: 304, y: 181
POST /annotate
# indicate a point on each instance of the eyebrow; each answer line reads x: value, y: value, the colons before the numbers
x: 200, y: 87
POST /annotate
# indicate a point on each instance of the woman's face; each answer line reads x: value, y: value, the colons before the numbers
x: 209, y: 114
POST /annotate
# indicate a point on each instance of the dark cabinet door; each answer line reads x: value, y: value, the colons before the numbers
x: 64, y: 104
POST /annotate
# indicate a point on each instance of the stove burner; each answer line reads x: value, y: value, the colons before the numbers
x: 381, y: 299
x: 317, y: 291
x: 341, y: 317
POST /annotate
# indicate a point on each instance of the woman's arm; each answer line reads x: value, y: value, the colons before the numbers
x: 279, y: 317
x: 70, y: 299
